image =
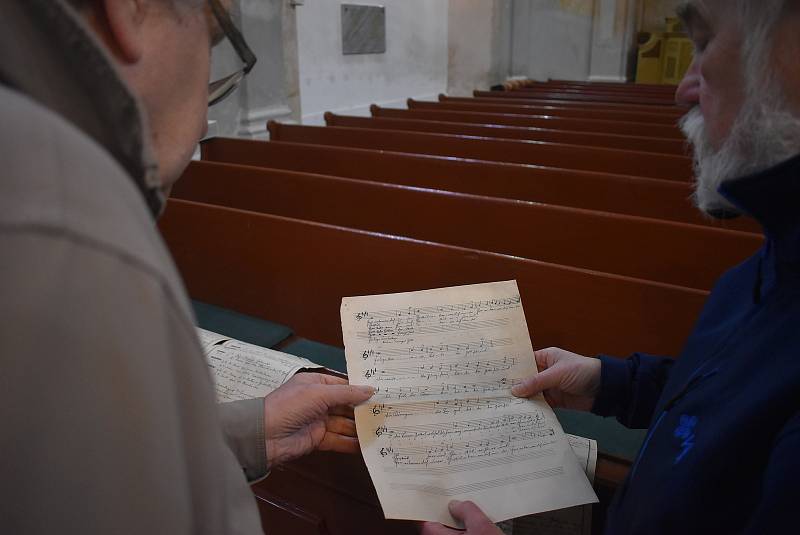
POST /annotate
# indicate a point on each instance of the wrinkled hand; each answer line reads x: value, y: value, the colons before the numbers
x: 567, y: 380
x: 311, y: 411
x: 475, y: 522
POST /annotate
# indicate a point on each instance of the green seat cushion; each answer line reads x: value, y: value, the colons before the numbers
x: 325, y: 355
x: 612, y: 437
x: 239, y: 326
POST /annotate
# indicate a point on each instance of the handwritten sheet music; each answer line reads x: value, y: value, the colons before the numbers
x: 246, y: 371
x: 443, y: 424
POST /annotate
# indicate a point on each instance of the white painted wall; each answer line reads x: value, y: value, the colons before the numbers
x: 552, y: 39
x: 613, y: 40
x: 479, y: 42
x: 414, y: 65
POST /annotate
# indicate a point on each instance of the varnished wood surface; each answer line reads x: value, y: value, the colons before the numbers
x: 631, y: 163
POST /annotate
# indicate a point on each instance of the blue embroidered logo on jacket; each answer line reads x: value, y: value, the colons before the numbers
x: 685, y: 433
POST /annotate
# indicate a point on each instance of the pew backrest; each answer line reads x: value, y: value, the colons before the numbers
x: 660, y: 199
x: 637, y: 247
x: 590, y: 139
x: 296, y: 273
x: 555, y: 111
x: 541, y: 121
x: 511, y: 99
x: 632, y: 163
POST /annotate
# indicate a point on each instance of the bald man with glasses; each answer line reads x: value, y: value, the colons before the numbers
x: 109, y: 419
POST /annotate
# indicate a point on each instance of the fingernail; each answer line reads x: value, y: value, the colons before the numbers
x: 367, y: 389
x: 516, y: 391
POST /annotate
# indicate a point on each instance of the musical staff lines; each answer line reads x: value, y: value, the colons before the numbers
x: 446, y: 406
x: 508, y: 423
x: 445, y: 389
x: 394, y: 329
x: 452, y: 368
x: 448, y: 454
x: 437, y: 351
x: 489, y: 305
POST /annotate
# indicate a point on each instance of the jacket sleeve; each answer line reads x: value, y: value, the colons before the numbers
x: 109, y: 419
x: 780, y: 492
x: 243, y: 427
x: 630, y: 388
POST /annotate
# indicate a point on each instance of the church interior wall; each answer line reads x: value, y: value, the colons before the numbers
x: 552, y: 39
x: 479, y: 44
x: 414, y: 65
x: 433, y: 46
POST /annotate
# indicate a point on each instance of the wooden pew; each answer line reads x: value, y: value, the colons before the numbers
x: 556, y: 111
x: 534, y: 121
x: 296, y: 272
x: 652, y: 91
x: 589, y: 95
x: 639, y: 91
x: 643, y: 164
x: 510, y: 98
x: 660, y: 89
x: 611, y: 141
x: 644, y: 197
x: 637, y: 247
x: 283, y: 278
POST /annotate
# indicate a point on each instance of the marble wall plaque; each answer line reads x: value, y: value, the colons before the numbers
x: 363, y: 29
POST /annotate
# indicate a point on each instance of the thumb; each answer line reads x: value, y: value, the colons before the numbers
x: 470, y: 514
x: 544, y: 380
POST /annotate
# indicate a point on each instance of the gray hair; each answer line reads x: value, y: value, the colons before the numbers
x: 758, y: 20
x: 765, y: 132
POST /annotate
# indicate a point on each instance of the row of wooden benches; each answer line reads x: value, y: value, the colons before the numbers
x: 608, y: 253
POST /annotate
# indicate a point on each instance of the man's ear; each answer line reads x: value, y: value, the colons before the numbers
x: 125, y: 25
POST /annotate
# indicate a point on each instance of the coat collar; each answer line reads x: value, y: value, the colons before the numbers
x: 772, y: 197
x: 50, y: 55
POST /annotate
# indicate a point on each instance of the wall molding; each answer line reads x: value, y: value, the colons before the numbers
x: 253, y: 123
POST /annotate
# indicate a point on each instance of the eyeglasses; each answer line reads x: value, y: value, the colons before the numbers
x: 222, y: 88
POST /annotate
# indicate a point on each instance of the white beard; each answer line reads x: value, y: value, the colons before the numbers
x: 763, y: 135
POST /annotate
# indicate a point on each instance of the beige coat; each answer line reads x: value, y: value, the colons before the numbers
x: 109, y: 422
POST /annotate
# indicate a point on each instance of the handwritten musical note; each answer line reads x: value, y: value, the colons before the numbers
x: 443, y: 423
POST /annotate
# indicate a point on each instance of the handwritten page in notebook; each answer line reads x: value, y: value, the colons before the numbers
x: 443, y: 424
x: 246, y: 371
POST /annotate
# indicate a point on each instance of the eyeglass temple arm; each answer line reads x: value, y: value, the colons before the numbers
x: 235, y: 36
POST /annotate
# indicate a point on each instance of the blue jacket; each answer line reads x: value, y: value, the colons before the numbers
x: 723, y: 450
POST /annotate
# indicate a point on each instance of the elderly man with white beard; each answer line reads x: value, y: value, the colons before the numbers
x: 721, y: 453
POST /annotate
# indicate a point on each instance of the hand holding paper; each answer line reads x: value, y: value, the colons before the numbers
x: 311, y: 411
x: 567, y: 380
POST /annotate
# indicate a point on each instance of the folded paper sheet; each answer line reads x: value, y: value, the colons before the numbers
x: 246, y: 371
x: 443, y: 424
